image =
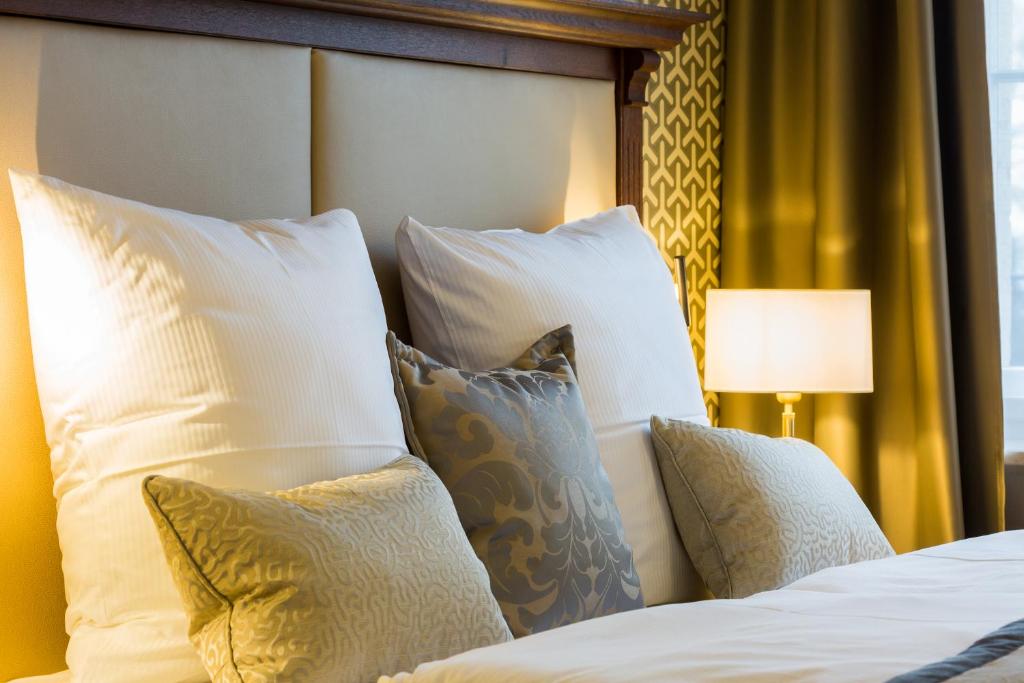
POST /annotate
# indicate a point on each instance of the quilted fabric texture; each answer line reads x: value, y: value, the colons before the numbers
x: 336, y: 581
x: 517, y: 452
x: 757, y: 513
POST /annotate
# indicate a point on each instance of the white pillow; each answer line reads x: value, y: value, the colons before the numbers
x: 248, y: 355
x: 476, y: 299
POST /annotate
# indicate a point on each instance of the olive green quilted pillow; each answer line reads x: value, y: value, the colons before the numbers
x: 516, y: 450
x: 338, y: 581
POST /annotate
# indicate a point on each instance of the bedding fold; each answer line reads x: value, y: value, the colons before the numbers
x: 869, y: 621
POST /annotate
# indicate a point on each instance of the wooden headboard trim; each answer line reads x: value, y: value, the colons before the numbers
x: 635, y: 70
x: 605, y: 39
x: 611, y: 23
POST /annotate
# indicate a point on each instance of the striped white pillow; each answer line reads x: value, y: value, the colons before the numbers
x: 246, y: 355
x: 476, y: 299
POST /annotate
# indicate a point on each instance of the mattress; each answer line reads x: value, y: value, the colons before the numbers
x: 865, y: 622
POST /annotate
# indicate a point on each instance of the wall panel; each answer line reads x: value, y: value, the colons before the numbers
x: 682, y: 159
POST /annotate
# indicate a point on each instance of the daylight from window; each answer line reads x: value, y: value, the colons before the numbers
x: 1004, y: 35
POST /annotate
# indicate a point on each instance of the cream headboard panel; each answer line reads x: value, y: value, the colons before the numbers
x: 207, y: 125
x: 456, y: 145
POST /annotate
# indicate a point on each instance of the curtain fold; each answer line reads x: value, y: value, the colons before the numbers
x: 857, y: 156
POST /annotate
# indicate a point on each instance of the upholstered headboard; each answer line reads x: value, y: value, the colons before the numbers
x: 483, y: 113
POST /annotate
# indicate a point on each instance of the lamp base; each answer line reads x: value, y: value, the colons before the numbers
x: 787, y: 399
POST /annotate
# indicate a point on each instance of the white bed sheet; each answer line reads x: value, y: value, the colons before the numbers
x: 864, y: 622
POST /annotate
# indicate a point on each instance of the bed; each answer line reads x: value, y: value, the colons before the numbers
x: 240, y: 109
x: 870, y: 621
x: 867, y: 622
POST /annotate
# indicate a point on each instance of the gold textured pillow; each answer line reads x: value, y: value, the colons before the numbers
x: 337, y: 581
x: 757, y: 513
x: 517, y: 452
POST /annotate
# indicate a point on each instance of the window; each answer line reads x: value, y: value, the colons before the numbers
x: 1004, y: 37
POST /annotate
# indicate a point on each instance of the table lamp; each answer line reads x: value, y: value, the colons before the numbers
x: 788, y: 342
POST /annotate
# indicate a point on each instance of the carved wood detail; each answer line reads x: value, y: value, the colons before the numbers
x: 635, y: 70
x: 611, y: 23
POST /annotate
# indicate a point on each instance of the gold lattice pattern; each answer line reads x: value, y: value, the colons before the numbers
x: 682, y: 159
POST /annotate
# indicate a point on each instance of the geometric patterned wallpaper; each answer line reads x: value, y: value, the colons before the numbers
x: 683, y: 159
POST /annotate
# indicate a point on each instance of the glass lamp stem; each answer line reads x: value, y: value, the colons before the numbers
x: 787, y: 399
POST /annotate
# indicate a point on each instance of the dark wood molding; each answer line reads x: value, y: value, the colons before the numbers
x: 608, y: 23
x: 635, y: 69
x: 332, y: 30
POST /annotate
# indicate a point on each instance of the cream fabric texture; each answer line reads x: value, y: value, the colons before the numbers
x: 337, y: 582
x: 516, y: 450
x: 477, y: 299
x: 169, y: 343
x: 757, y: 513
x: 389, y: 151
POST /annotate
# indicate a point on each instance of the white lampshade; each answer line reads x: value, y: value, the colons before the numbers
x: 788, y: 340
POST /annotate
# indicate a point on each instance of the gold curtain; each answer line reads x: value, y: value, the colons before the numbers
x: 857, y: 156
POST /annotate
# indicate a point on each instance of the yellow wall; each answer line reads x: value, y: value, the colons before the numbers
x: 682, y: 159
x: 31, y: 609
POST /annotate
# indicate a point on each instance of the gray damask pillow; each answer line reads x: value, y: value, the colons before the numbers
x: 757, y: 513
x: 517, y: 452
